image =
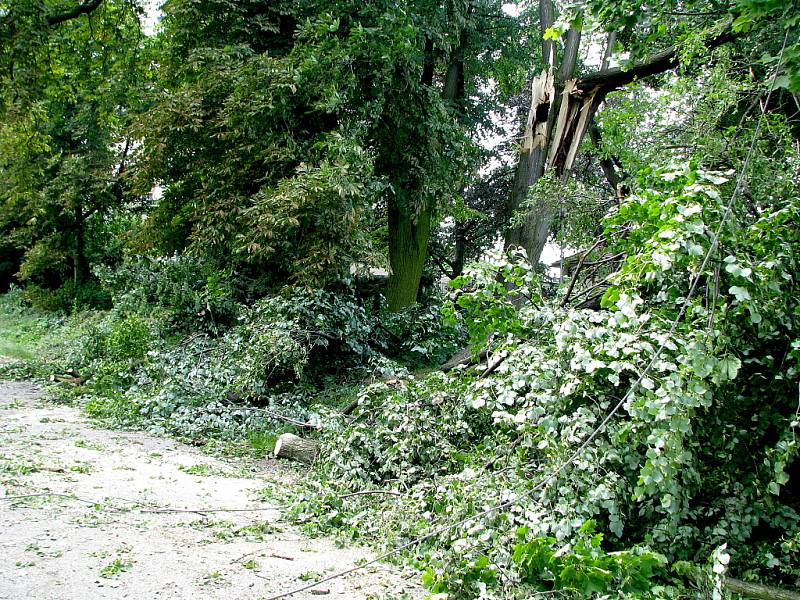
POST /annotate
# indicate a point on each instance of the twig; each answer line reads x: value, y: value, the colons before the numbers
x: 201, y: 511
x: 493, y: 367
x: 601, y: 261
x: 370, y: 492
x: 589, y: 289
x: 578, y: 270
x: 279, y: 416
x: 589, y: 301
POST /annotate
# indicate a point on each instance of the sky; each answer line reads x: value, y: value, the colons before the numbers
x: 152, y: 14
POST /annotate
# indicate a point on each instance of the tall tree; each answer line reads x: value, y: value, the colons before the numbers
x: 288, y: 144
x: 564, y: 102
x: 70, y: 82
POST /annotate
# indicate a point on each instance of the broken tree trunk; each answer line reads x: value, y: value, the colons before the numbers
x: 560, y: 113
x: 296, y: 448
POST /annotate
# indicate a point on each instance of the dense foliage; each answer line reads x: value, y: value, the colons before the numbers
x: 285, y: 216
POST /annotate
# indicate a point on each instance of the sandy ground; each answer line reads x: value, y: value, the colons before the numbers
x: 106, y: 545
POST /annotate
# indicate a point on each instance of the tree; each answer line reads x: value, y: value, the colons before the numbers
x: 69, y: 86
x: 564, y: 103
x: 287, y: 146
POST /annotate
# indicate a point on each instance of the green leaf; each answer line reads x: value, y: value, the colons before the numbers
x: 740, y: 293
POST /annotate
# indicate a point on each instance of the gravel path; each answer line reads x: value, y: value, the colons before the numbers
x: 106, y: 545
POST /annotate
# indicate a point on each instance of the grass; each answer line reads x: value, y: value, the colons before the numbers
x: 115, y: 567
x: 20, y: 330
x: 203, y: 470
x: 17, y: 467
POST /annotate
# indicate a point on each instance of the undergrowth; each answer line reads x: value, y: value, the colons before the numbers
x: 473, y: 471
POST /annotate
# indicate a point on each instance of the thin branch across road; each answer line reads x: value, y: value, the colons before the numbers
x: 91, y: 513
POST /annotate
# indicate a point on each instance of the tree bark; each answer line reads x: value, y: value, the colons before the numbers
x: 409, y: 231
x: 80, y: 262
x: 409, y: 222
x: 607, y: 164
x: 459, y: 250
x: 80, y: 9
x: 292, y: 447
x: 553, y: 118
x: 758, y: 591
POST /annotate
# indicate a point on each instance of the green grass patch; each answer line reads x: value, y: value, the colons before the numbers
x: 115, y: 567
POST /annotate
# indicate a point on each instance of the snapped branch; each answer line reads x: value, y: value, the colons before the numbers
x: 74, y: 13
x: 608, y: 80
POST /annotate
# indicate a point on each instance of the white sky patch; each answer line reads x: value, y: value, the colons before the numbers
x: 152, y: 16
x: 512, y: 9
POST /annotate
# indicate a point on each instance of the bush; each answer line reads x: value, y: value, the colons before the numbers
x: 69, y: 298
x: 187, y: 293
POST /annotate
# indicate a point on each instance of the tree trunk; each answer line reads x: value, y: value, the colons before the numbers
x: 409, y: 231
x: 758, y: 591
x: 559, y: 117
x: 292, y: 447
x: 459, y: 250
x: 607, y: 164
x: 409, y: 224
x: 80, y: 262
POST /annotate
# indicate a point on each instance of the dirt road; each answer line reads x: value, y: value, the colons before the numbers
x: 100, y: 538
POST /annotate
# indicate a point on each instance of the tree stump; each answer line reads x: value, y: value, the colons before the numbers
x: 296, y: 448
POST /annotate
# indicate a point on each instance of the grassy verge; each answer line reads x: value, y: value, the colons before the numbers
x: 20, y: 330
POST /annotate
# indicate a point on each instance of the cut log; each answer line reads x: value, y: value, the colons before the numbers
x: 464, y: 356
x: 758, y: 591
x: 296, y: 448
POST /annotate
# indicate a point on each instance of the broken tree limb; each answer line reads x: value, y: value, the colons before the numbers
x: 607, y: 80
x: 74, y: 13
x: 371, y: 493
x: 466, y: 356
x: 280, y: 417
x: 759, y: 591
x: 292, y: 447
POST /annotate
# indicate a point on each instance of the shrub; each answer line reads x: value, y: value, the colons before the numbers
x: 187, y: 293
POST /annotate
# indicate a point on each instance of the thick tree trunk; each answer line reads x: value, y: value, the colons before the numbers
x: 558, y: 119
x: 410, y: 224
x: 557, y: 122
x: 408, y: 247
x: 533, y: 155
x: 292, y: 447
x: 459, y: 250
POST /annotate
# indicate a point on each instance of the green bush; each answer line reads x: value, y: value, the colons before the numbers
x: 187, y: 293
x: 70, y: 297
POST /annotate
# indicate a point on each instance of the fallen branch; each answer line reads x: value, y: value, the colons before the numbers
x: 578, y: 271
x: 759, y: 591
x: 591, y: 289
x: 370, y: 492
x: 280, y: 417
x: 466, y: 357
x: 296, y: 448
x: 493, y: 367
x: 201, y: 511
